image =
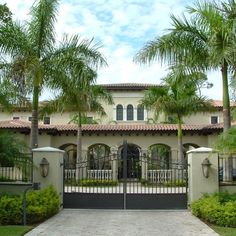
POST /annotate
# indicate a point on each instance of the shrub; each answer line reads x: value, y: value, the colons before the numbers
x: 219, y: 209
x: 174, y: 183
x: 10, y: 209
x: 5, y: 179
x: 97, y: 183
x: 41, y: 205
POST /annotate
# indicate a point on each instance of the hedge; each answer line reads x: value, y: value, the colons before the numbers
x: 218, y: 209
x: 41, y: 205
x: 97, y: 183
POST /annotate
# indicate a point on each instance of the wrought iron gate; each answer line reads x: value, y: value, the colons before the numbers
x: 126, y: 182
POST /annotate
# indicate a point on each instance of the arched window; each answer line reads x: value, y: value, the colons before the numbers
x: 160, y: 156
x: 98, y: 157
x: 119, y: 112
x: 140, y: 112
x: 70, y: 157
x: 187, y: 147
x: 130, y: 112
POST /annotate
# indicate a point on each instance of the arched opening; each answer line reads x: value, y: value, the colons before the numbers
x: 187, y: 147
x: 130, y: 112
x: 98, y: 157
x: 70, y: 157
x: 140, y: 112
x: 133, y: 163
x: 119, y: 112
x: 160, y: 157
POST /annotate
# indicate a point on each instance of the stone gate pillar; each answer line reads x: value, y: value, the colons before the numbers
x: 198, y: 183
x: 55, y: 159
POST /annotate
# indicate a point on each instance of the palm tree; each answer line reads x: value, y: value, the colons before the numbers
x: 37, y: 59
x: 204, y: 41
x: 79, y: 95
x: 177, y: 97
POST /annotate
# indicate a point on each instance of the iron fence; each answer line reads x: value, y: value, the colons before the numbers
x: 17, y: 169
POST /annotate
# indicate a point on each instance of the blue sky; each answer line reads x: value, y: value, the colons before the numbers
x: 122, y: 27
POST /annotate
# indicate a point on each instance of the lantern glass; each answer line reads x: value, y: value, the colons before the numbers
x: 206, y: 167
x: 44, y: 167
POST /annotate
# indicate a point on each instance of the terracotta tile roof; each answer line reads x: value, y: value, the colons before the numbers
x: 14, y: 124
x: 120, y: 128
x: 128, y: 86
x: 140, y: 127
x: 219, y: 103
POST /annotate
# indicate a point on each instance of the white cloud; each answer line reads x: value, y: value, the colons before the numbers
x: 122, y: 26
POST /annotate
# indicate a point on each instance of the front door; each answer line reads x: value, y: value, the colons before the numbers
x: 133, y: 163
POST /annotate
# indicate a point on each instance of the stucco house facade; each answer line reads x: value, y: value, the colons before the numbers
x: 125, y: 120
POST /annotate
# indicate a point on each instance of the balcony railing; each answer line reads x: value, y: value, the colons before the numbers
x: 91, y: 174
x: 227, y: 168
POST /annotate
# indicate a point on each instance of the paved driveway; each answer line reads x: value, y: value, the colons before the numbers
x: 123, y: 223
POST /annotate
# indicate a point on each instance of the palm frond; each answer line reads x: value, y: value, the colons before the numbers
x: 41, y: 30
x: 14, y: 40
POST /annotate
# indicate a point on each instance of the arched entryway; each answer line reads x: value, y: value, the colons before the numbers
x: 70, y: 157
x: 98, y: 157
x: 133, y: 162
x: 187, y: 147
x: 160, y: 156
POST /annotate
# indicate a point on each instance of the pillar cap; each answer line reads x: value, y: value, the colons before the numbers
x: 47, y: 149
x: 201, y: 150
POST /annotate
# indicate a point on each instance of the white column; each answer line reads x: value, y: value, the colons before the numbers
x: 114, y: 113
x: 125, y: 113
x: 114, y: 164
x: 135, y: 114
x: 144, y: 167
x: 145, y: 115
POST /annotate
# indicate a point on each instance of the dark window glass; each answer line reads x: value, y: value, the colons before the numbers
x: 46, y: 120
x: 140, y: 113
x: 89, y: 119
x: 214, y: 120
x: 30, y: 118
x: 119, y: 112
x: 16, y: 117
x: 130, y: 112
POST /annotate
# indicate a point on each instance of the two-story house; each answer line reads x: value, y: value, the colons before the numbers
x: 126, y: 120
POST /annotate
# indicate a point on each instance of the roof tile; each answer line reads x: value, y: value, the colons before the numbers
x: 10, y: 124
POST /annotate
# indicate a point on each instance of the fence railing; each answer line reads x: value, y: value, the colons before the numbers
x: 227, y: 168
x: 20, y: 169
x: 91, y: 174
x: 99, y: 174
x: 166, y: 175
x: 159, y: 176
x: 10, y: 173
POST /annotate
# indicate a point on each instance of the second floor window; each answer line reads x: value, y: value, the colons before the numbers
x: 214, y: 120
x: 16, y: 118
x: 119, y: 112
x: 46, y: 120
x: 140, y: 112
x: 130, y: 112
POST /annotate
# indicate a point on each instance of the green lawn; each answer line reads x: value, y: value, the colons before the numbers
x: 14, y: 230
x: 223, y: 231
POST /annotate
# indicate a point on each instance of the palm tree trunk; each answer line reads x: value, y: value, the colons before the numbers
x: 226, y: 103
x: 34, y: 122
x: 180, y: 143
x: 79, y: 167
x: 227, y: 173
